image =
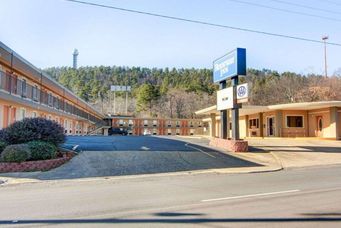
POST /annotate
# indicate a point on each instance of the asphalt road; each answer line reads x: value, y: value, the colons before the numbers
x: 293, y: 198
x: 129, y: 155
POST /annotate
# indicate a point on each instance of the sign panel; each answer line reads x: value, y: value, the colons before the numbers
x: 113, y: 88
x: 242, y: 91
x: 117, y: 88
x: 230, y: 65
x: 225, y: 99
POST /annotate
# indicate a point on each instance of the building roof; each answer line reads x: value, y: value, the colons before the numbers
x: 253, y: 109
x: 306, y: 105
x: 18, y: 63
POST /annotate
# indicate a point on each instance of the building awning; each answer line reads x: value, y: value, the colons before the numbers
x: 245, y: 110
x: 253, y: 109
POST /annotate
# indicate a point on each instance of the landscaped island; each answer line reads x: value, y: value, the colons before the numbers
x: 32, y: 144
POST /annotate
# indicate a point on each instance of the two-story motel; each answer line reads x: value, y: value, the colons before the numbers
x: 308, y: 119
x: 158, y: 126
x: 26, y: 91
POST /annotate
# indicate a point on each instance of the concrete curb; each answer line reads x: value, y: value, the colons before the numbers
x: 12, y: 180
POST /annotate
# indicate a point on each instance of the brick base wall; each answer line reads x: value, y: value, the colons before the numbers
x: 27, y: 166
x: 230, y: 144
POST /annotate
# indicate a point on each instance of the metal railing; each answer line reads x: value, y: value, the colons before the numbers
x: 21, y: 88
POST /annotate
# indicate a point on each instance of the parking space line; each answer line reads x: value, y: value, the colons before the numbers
x: 200, y: 150
x: 75, y: 147
x: 252, y: 195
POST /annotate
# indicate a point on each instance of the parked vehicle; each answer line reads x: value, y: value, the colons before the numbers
x: 117, y: 131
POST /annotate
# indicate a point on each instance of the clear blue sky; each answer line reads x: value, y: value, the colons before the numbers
x: 46, y: 31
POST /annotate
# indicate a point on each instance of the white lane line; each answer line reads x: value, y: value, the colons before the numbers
x: 252, y: 195
x: 75, y: 147
x: 200, y: 150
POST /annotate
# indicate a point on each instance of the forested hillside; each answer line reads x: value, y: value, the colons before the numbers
x: 180, y: 92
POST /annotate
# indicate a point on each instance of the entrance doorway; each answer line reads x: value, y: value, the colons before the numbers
x: 319, y: 126
x: 270, y: 126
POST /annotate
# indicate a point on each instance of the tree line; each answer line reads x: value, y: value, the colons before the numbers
x: 178, y: 93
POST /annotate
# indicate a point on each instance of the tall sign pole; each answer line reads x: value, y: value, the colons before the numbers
x: 126, y: 102
x: 118, y: 88
x: 114, y: 102
x: 230, y: 67
x: 223, y: 115
x: 235, y: 109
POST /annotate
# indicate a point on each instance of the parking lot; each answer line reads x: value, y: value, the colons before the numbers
x: 102, y: 156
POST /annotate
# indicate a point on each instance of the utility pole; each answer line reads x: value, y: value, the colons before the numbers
x: 114, y: 103
x: 126, y: 101
x: 110, y: 103
x: 325, y: 38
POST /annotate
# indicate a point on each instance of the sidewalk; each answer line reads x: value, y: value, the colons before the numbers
x: 288, y: 153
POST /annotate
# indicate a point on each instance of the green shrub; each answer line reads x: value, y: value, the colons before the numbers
x: 3, y: 145
x: 31, y: 129
x: 2, y: 135
x: 16, y: 153
x: 42, y: 150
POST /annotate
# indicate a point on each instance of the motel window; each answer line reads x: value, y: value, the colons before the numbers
x: 154, y: 123
x: 177, y: 131
x: 121, y: 123
x: 23, y: 88
x: 177, y: 123
x: 35, y: 93
x: 191, y: 124
x: 191, y: 131
x: 22, y: 114
x: 169, y: 123
x: 294, y: 121
x: 50, y: 99
x: 253, y: 123
x: 34, y: 114
x: 130, y: 123
x: 145, y: 123
x: 169, y: 132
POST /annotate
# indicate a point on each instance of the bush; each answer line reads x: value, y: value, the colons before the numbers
x: 16, y: 153
x: 31, y: 129
x: 3, y: 144
x: 42, y: 150
x: 2, y: 135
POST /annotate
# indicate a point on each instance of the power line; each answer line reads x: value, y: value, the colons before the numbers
x: 332, y: 2
x: 202, y: 22
x: 286, y: 10
x: 306, y: 7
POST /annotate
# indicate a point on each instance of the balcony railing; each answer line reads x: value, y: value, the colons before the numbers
x: 20, y: 88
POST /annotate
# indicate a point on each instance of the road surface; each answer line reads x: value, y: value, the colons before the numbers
x: 309, y: 197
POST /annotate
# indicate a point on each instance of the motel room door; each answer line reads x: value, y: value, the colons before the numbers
x: 271, y: 126
x: 319, y: 126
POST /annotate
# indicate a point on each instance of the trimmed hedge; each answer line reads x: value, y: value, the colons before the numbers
x: 42, y: 150
x: 16, y: 153
x: 32, y: 129
x: 3, y: 145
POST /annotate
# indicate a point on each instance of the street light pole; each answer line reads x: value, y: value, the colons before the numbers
x: 325, y: 38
